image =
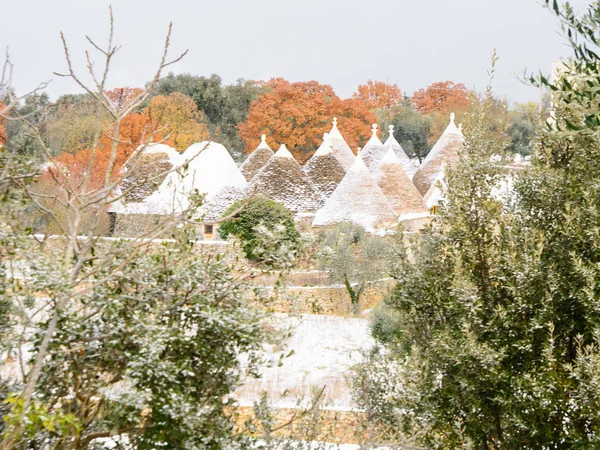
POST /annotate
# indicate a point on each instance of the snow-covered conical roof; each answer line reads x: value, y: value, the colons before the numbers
x: 373, y: 151
x: 213, y: 209
x: 398, y: 189
x: 324, y: 170
x: 206, y: 168
x: 283, y: 180
x: 143, y: 174
x: 257, y: 159
x: 407, y: 164
x: 358, y: 199
x: 445, y: 151
x: 437, y: 191
x: 283, y: 152
x: 341, y: 149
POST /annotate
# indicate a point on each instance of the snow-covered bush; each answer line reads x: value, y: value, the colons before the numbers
x: 263, y: 220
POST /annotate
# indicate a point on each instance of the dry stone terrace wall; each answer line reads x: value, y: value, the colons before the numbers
x: 296, y: 292
x: 327, y: 300
x: 336, y: 427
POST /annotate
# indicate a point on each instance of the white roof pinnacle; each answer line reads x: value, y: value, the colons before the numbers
x: 341, y: 150
x: 325, y: 147
x: 283, y: 152
x: 335, y: 133
x: 374, y: 139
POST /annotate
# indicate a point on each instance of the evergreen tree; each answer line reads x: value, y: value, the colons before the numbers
x: 491, y: 335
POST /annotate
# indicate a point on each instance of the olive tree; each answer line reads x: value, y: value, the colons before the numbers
x: 138, y: 338
x: 353, y: 257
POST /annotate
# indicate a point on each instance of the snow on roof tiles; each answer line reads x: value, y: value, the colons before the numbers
x: 141, y: 175
x: 257, y: 159
x: 341, y: 149
x: 444, y: 152
x: 213, y: 209
x: 324, y: 170
x: 358, y: 199
x: 282, y: 180
x: 407, y: 165
x: 283, y: 152
x: 397, y: 187
x: 373, y: 151
x: 205, y: 167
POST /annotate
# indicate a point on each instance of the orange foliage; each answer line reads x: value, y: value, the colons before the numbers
x: 174, y: 120
x: 177, y: 118
x: 297, y: 115
x: 75, y: 165
x: 442, y: 96
x: 3, y: 136
x: 123, y: 96
x: 354, y: 120
x: 377, y: 94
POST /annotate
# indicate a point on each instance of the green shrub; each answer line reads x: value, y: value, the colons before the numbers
x: 266, y: 230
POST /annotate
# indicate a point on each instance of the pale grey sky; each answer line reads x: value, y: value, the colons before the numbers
x: 340, y: 42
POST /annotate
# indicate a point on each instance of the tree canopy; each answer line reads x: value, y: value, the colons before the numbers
x: 298, y: 114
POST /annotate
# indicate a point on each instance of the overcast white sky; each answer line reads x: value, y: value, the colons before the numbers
x: 339, y: 42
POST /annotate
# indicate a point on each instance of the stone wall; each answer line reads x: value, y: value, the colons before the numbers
x: 132, y: 225
x: 329, y: 300
x: 336, y: 427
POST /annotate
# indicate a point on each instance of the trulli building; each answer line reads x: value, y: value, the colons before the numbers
x: 283, y: 180
x: 399, y: 190
x: 324, y: 170
x: 340, y: 148
x: 204, y: 168
x: 373, y: 151
x: 443, y: 154
x: 407, y: 164
x: 257, y: 159
x: 358, y: 199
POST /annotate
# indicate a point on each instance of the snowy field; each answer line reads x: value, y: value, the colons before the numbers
x: 324, y: 348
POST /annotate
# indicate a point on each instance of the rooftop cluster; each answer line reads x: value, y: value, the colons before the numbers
x: 377, y: 188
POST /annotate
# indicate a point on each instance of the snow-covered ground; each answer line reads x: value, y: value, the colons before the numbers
x: 324, y: 348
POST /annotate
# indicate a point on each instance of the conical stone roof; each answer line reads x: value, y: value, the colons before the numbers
x: 443, y: 153
x: 257, y: 159
x: 283, y: 180
x: 341, y: 150
x: 206, y: 167
x: 324, y: 170
x: 373, y: 151
x: 407, y: 165
x: 358, y: 199
x: 142, y: 175
x: 213, y: 209
x: 398, y: 189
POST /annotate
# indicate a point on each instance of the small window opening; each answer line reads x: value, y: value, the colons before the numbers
x: 208, y: 231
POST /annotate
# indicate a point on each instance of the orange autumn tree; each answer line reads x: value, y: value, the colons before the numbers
x: 132, y: 132
x: 173, y: 120
x: 377, y: 94
x: 177, y: 119
x: 441, y: 96
x: 438, y: 101
x: 297, y: 114
x: 354, y: 120
x: 123, y: 95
